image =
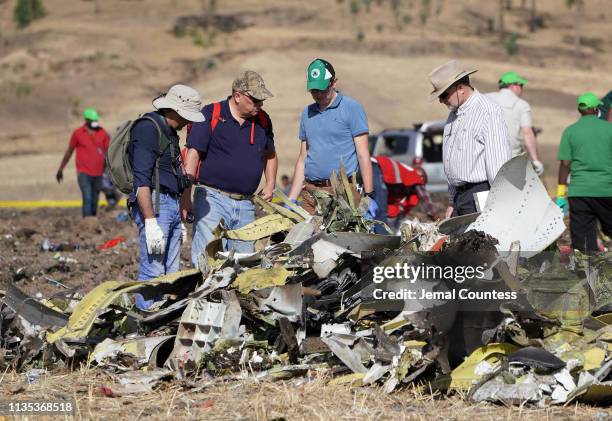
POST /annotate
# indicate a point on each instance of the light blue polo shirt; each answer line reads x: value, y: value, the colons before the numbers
x: 330, y: 136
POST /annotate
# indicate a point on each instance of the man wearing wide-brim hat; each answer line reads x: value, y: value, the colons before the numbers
x: 155, y: 135
x: 227, y: 155
x: 586, y: 152
x: 475, y: 143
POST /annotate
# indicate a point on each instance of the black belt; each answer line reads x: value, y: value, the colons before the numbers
x: 165, y: 190
x: 327, y: 182
x: 465, y: 187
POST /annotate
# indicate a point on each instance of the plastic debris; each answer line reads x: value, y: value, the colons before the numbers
x: 112, y: 243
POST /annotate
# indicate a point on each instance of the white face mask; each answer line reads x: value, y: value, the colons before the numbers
x: 94, y: 124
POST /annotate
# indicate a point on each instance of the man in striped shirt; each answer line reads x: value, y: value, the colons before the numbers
x: 475, y: 144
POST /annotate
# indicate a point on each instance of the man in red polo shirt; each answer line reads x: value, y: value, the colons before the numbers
x: 91, y: 143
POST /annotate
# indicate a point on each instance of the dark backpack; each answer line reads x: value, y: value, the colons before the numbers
x: 118, y: 160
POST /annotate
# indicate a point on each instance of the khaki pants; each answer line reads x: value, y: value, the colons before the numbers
x: 309, y: 203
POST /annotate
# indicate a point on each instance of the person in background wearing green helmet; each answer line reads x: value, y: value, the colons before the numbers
x: 91, y: 143
x: 586, y: 152
x: 518, y: 117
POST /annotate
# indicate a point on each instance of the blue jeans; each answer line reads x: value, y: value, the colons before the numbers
x: 154, y: 265
x: 209, y: 207
x: 112, y: 194
x: 90, y: 190
x: 380, y: 193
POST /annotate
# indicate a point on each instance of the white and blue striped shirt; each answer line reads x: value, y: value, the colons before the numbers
x: 475, y: 143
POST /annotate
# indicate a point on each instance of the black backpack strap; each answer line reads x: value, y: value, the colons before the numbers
x: 163, y: 144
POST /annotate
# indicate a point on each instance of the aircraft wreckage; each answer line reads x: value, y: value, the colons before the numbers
x: 484, y: 303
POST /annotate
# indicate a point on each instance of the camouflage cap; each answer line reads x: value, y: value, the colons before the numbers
x: 251, y: 83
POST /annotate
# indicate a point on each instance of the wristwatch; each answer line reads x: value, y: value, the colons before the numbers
x: 371, y: 194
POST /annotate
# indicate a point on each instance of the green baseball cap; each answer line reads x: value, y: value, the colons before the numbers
x: 320, y: 74
x: 588, y: 100
x: 512, y: 78
x: 91, y: 114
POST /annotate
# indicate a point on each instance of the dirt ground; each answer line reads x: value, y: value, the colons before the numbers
x: 77, y: 262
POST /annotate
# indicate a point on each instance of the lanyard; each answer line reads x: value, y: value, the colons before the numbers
x: 252, y: 130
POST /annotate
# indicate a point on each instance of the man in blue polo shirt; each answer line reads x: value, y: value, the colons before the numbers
x: 234, y: 146
x: 333, y: 132
x: 159, y: 225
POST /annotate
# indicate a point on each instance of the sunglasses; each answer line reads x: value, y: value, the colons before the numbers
x: 254, y: 100
x: 446, y: 93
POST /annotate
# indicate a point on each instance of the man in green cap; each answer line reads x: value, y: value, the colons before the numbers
x: 91, y: 143
x: 518, y: 117
x: 333, y: 132
x: 586, y: 152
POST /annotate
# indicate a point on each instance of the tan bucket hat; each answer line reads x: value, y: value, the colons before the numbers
x: 251, y: 83
x: 444, y: 76
x: 183, y: 99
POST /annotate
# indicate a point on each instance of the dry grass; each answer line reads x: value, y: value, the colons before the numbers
x: 249, y: 399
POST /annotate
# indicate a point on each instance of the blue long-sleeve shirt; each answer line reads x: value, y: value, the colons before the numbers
x: 143, y: 151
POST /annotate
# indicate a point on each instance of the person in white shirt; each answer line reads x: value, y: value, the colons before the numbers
x: 518, y: 117
x: 475, y: 143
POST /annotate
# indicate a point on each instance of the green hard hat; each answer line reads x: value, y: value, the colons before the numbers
x: 512, y: 78
x: 91, y: 114
x: 588, y: 100
x: 320, y: 74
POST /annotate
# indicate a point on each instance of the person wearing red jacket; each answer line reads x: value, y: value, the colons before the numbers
x: 405, y: 188
x: 91, y: 143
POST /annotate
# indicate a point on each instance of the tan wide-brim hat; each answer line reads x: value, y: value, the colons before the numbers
x: 183, y: 99
x: 444, y: 76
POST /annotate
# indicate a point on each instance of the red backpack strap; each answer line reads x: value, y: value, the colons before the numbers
x: 213, y: 123
x: 264, y: 120
x: 215, y: 115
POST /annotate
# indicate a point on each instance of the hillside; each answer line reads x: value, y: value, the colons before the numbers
x: 116, y: 55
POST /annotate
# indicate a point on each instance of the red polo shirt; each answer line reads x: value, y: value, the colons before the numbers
x: 91, y: 150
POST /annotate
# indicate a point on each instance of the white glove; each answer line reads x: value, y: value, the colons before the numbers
x: 156, y: 243
x: 183, y: 233
x: 538, y: 167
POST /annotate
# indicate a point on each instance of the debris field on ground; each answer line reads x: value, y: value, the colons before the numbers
x: 531, y: 329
